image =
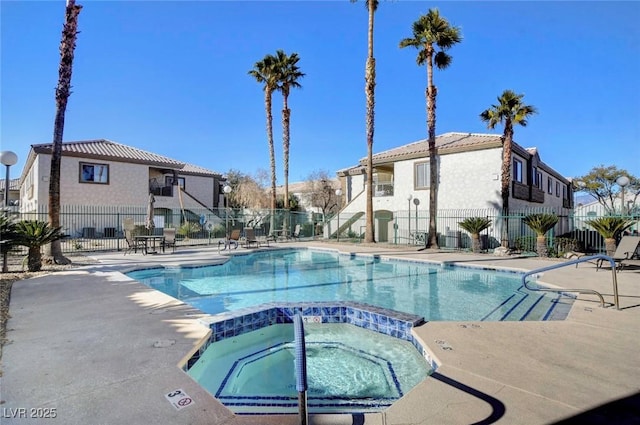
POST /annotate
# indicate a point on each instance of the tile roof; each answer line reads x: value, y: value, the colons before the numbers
x: 445, y: 143
x: 109, y: 150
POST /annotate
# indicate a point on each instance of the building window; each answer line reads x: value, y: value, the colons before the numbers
x: 168, y: 180
x: 421, y: 175
x: 537, y: 178
x: 564, y: 192
x: 517, y: 170
x: 549, y: 185
x: 558, y: 189
x: 94, y: 173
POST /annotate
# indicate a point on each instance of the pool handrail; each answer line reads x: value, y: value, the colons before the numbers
x: 301, y: 367
x: 616, y: 302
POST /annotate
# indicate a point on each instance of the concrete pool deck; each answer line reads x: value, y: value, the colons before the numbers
x: 94, y: 347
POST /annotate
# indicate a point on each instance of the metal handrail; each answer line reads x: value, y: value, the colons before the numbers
x: 616, y: 302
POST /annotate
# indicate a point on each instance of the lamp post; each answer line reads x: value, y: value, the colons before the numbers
x: 338, y: 194
x: 622, y: 181
x: 409, y: 218
x: 226, y: 190
x: 7, y: 158
x: 416, y: 202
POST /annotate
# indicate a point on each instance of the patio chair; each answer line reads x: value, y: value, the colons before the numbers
x: 132, y: 243
x: 169, y: 239
x: 250, y: 238
x: 625, y: 251
x: 233, y: 239
x: 296, y: 232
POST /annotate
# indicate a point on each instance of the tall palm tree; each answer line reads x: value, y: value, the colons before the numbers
x: 510, y: 110
x: 369, y: 88
x: 429, y: 31
x: 265, y: 72
x: 63, y: 91
x: 288, y: 76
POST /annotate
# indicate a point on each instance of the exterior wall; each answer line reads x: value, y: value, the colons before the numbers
x: 122, y: 188
x: 128, y: 186
x: 201, y: 188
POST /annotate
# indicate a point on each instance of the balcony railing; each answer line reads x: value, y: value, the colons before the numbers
x: 161, y: 190
x: 382, y: 189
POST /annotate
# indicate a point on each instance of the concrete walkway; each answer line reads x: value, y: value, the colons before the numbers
x: 91, y: 346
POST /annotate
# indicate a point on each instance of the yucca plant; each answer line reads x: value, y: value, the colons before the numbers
x: 475, y: 225
x: 541, y: 224
x: 609, y: 228
x: 34, y: 234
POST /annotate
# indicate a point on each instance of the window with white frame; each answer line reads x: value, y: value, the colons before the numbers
x: 421, y: 175
x: 517, y: 170
x: 168, y: 180
x: 537, y: 176
x: 549, y: 185
x: 94, y: 173
x: 558, y: 189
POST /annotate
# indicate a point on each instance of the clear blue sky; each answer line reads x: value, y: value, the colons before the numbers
x: 171, y: 78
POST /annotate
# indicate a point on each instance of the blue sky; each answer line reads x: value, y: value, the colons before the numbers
x: 171, y: 78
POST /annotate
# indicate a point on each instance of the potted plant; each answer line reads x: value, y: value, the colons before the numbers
x: 609, y: 228
x: 33, y: 234
x: 475, y: 225
x: 541, y: 224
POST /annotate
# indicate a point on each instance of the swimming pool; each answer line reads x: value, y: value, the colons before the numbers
x: 350, y: 369
x: 433, y: 291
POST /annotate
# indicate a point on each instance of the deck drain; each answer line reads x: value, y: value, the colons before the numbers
x: 163, y: 343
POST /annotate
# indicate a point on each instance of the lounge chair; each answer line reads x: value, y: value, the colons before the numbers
x: 625, y: 251
x: 169, y: 239
x: 232, y: 240
x: 250, y: 238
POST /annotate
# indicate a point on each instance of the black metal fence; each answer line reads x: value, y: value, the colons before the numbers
x: 98, y: 228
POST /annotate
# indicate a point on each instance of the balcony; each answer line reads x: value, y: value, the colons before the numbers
x: 527, y: 193
x: 382, y: 189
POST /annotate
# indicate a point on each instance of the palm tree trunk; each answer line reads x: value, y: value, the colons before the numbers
x: 272, y: 158
x: 432, y: 91
x: 34, y: 259
x: 610, y: 246
x: 63, y: 91
x: 475, y: 243
x: 541, y: 246
x: 506, y: 179
x: 286, y: 116
x: 370, y: 84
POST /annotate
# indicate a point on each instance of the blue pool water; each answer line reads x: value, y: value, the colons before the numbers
x: 428, y: 290
x: 349, y: 370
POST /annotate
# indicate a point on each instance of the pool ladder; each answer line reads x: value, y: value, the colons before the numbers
x: 616, y: 301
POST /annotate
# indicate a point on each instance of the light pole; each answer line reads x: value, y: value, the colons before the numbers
x: 416, y: 202
x: 7, y: 158
x: 338, y: 194
x: 226, y: 190
x: 622, y: 181
x: 409, y: 218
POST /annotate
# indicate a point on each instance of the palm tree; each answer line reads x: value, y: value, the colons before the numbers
x: 509, y: 111
x: 429, y: 30
x: 34, y: 234
x: 475, y: 225
x: 610, y: 227
x: 541, y: 224
x: 265, y: 72
x: 63, y: 91
x: 288, y: 76
x: 369, y: 88
x: 9, y: 238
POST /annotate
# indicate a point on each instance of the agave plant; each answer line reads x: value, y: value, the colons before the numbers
x: 34, y: 234
x: 541, y: 224
x: 475, y: 225
x: 610, y: 227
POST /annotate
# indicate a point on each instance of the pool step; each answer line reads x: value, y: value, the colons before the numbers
x: 526, y: 305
